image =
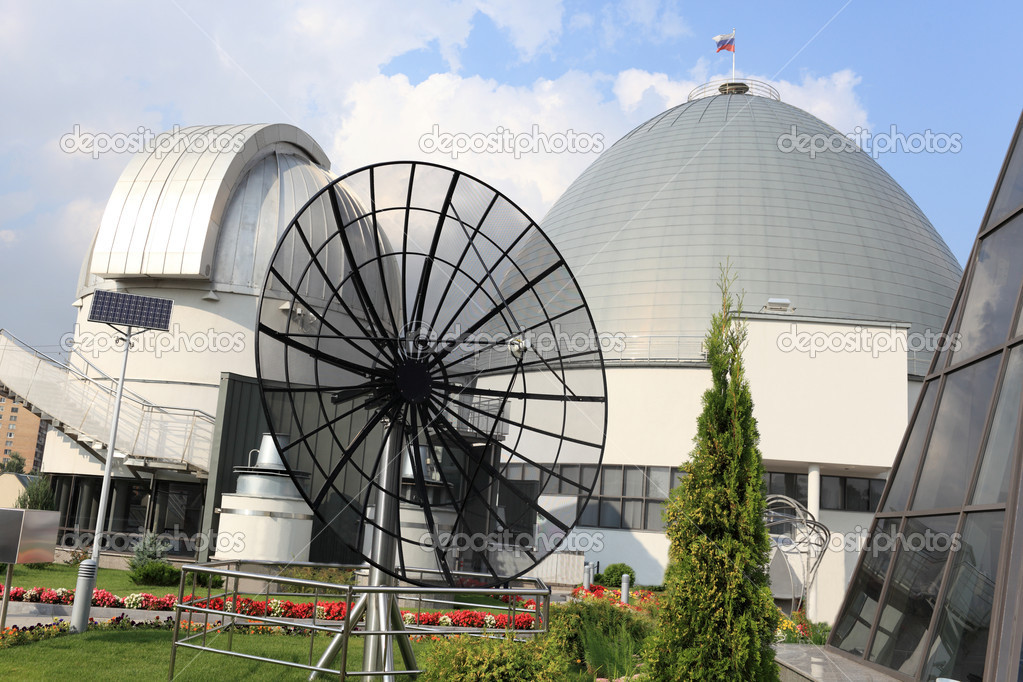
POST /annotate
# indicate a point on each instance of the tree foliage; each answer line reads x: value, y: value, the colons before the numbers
x: 37, y: 495
x: 15, y: 464
x: 718, y: 618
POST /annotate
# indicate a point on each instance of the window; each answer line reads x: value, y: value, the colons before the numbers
x: 9, y: 443
x: 846, y: 493
x: 628, y: 497
x: 14, y: 419
x: 14, y: 409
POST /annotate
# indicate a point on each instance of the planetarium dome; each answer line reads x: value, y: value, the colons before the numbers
x: 647, y: 226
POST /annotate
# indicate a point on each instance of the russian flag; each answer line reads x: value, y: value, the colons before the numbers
x: 725, y: 42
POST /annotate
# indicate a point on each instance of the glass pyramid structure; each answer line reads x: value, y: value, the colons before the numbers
x: 938, y: 591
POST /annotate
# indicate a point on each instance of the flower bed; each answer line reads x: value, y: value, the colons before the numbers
x: 324, y: 610
x: 637, y: 598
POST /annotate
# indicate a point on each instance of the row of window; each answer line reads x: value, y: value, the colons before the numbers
x: 632, y: 497
x: 838, y: 493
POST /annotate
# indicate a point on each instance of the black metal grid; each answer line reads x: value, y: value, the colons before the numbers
x: 412, y: 295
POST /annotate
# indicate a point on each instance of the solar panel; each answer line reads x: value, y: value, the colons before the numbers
x: 132, y: 310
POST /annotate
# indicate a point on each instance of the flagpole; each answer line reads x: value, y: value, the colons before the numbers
x: 733, y: 55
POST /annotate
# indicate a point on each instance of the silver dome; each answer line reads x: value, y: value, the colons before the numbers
x: 647, y: 225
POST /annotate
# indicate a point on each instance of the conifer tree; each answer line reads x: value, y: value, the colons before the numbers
x: 717, y: 620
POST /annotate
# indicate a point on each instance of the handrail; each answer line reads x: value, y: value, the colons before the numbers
x: 81, y: 406
x: 732, y: 86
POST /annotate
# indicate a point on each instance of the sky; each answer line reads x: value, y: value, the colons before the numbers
x: 372, y: 81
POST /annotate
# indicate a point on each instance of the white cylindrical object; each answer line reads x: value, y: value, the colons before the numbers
x: 813, y: 491
x: 259, y: 528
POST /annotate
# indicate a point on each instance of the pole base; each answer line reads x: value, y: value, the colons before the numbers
x: 83, y: 595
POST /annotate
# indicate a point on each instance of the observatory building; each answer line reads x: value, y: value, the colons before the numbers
x: 846, y: 289
x: 847, y: 286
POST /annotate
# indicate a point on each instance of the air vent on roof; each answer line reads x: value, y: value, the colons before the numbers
x: 778, y: 305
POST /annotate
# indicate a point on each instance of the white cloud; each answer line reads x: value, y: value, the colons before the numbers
x: 8, y: 237
x: 388, y: 117
x: 533, y: 24
x: 832, y: 99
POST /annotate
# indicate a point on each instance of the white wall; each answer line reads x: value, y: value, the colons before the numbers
x: 844, y: 407
x: 182, y: 367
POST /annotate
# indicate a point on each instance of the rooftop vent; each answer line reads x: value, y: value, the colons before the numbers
x: 778, y: 305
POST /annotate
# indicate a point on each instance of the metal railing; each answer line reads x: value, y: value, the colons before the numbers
x: 190, y: 633
x: 82, y: 406
x: 720, y: 87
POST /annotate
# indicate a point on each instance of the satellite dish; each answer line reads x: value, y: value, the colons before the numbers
x: 424, y: 352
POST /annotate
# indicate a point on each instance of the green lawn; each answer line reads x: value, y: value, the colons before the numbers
x: 62, y: 575
x: 145, y: 655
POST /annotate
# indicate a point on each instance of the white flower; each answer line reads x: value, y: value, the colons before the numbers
x: 408, y: 618
x: 445, y: 621
x: 489, y: 621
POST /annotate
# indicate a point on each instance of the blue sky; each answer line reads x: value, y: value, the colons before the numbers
x: 368, y: 80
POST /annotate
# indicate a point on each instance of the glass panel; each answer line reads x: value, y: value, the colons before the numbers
x: 1010, y: 193
x: 634, y: 480
x: 530, y: 472
x: 776, y: 484
x: 588, y: 476
x: 796, y: 486
x: 946, y: 343
x: 857, y: 494
x: 906, y: 473
x: 654, y: 521
x: 612, y: 483
x: 658, y: 482
x: 960, y: 645
x: 610, y: 513
x: 550, y: 483
x: 676, y: 477
x: 514, y: 472
x: 632, y: 514
x: 876, y: 490
x: 952, y: 451
x: 571, y: 472
x: 902, y: 624
x: 831, y: 492
x: 853, y: 626
x: 589, y: 512
x: 993, y: 480
x: 993, y: 291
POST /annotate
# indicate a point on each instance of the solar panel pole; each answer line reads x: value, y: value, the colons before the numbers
x: 87, y: 569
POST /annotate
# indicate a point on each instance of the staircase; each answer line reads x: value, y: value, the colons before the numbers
x: 81, y: 406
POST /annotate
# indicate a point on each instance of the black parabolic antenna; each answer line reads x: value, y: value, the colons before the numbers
x: 414, y: 316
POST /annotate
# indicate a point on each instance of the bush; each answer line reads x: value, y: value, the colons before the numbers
x: 149, y: 548
x: 156, y: 573
x: 481, y: 659
x: 600, y: 636
x: 338, y: 576
x: 208, y: 580
x: 612, y: 575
